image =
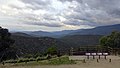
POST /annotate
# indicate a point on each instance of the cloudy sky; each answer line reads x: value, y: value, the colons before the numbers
x: 56, y: 15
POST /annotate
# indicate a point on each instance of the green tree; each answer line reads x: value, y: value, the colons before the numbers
x: 112, y: 40
x: 52, y: 50
x: 5, y: 42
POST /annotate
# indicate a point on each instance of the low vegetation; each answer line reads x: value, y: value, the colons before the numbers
x: 53, y: 61
x: 60, y: 60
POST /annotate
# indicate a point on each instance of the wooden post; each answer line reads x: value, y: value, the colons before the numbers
x: 110, y: 60
x: 105, y: 57
x: 97, y: 60
x: 87, y: 54
x: 88, y: 57
x: 99, y: 56
x: 94, y: 54
x: 93, y: 57
x: 84, y: 61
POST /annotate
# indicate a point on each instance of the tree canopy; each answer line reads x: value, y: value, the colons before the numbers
x: 112, y: 40
x: 52, y: 50
x: 5, y: 41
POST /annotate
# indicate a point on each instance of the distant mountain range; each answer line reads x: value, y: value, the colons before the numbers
x: 38, y: 41
x: 56, y: 34
x: 101, y: 30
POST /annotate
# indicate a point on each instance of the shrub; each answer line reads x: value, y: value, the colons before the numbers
x: 23, y: 60
x: 40, y: 58
x: 32, y: 59
x: 11, y: 61
x: 61, y: 60
x: 51, y: 50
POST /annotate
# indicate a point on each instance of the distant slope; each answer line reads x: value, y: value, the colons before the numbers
x: 21, y: 34
x: 32, y: 45
x: 81, y: 40
x: 56, y: 34
x: 102, y: 30
x: 64, y: 32
x: 40, y: 33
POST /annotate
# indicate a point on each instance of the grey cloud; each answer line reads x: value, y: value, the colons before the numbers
x: 46, y: 20
x: 80, y: 1
x: 98, y: 12
x: 47, y: 24
x: 73, y: 22
x: 104, y: 5
x: 91, y: 12
x: 77, y: 12
x: 115, y: 13
x: 40, y: 2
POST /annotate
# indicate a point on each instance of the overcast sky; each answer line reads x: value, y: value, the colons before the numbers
x: 57, y: 15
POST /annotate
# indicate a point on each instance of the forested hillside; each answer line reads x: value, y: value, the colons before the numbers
x: 35, y: 45
x: 82, y: 40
